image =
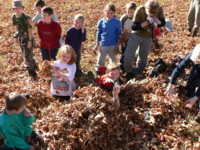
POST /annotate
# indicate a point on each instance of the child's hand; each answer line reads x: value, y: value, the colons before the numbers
x: 96, y: 48
x: 29, y: 44
x: 150, y: 19
x: 169, y: 91
x: 191, y: 101
x: 16, y: 40
x: 30, y: 21
x: 82, y: 28
x: 27, y: 113
x: 158, y: 21
x: 116, y: 90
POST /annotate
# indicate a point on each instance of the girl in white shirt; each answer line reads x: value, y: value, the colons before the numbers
x: 64, y: 69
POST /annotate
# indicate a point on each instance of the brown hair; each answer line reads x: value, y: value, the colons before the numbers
x: 131, y: 5
x: 152, y: 6
x: 69, y: 50
x: 113, y: 66
x: 39, y: 3
x: 110, y: 7
x: 47, y: 10
x: 14, y: 101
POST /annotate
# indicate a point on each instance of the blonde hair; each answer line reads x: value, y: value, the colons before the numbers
x: 152, y: 7
x: 196, y: 54
x: 113, y: 66
x: 110, y: 7
x: 79, y: 16
x: 69, y: 50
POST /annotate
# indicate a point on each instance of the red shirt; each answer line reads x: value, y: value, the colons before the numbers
x: 105, y: 81
x: 49, y: 34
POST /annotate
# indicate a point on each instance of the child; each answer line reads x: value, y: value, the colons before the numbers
x: 193, y: 83
x: 74, y: 37
x: 146, y: 18
x: 194, y: 17
x: 109, y: 30
x: 126, y: 21
x: 64, y: 70
x: 16, y: 123
x: 107, y: 81
x: 39, y: 4
x: 24, y: 36
x: 49, y: 32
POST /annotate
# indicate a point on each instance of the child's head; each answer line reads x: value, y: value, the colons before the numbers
x: 114, y: 71
x: 47, y: 14
x: 110, y: 11
x: 17, y: 7
x: 130, y: 9
x: 152, y: 7
x: 195, y: 57
x: 66, y: 54
x: 79, y: 21
x: 39, y: 5
x: 15, y: 102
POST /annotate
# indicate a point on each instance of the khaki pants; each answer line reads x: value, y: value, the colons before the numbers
x: 103, y: 52
x: 194, y: 15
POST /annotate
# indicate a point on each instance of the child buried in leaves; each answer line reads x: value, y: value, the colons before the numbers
x: 110, y: 82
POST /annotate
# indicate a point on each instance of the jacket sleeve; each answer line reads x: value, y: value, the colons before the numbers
x: 137, y: 26
x: 99, y: 30
x: 83, y: 36
x: 180, y: 68
x: 15, y: 140
x: 67, y: 38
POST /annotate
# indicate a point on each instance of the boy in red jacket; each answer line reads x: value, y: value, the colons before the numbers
x: 49, y: 32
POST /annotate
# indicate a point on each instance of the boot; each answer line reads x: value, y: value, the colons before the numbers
x: 194, y: 33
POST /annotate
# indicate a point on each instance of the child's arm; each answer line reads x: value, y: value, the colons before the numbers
x: 68, y: 37
x: 99, y: 32
x: 69, y: 76
x: 28, y: 117
x: 83, y: 37
x: 58, y: 33
x: 13, y: 137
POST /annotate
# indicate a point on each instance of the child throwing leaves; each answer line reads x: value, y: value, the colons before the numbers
x: 109, y: 30
x: 64, y: 70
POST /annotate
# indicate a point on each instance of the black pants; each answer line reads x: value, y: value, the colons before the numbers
x: 122, y: 57
x: 61, y: 97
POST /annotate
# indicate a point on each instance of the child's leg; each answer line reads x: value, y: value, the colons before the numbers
x: 129, y: 54
x: 78, y: 59
x: 197, y: 16
x: 111, y: 53
x: 54, y: 53
x: 122, y: 57
x: 45, y: 54
x: 102, y: 55
x: 143, y: 55
x: 191, y: 16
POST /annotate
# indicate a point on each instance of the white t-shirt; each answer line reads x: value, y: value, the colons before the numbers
x: 59, y: 86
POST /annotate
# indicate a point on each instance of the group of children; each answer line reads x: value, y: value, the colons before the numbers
x: 138, y: 24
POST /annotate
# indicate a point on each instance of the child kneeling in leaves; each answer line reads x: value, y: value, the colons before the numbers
x: 64, y: 69
x: 16, y: 124
x: 110, y: 82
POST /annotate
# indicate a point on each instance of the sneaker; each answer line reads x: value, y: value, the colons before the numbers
x: 32, y: 73
x: 194, y: 33
x: 198, y: 119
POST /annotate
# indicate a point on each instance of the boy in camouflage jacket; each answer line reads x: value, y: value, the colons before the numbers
x: 23, y: 36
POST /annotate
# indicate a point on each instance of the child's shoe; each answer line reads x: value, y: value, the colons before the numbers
x: 194, y: 33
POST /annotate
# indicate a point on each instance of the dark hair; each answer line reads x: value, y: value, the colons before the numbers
x: 110, y: 7
x: 14, y: 101
x: 47, y: 10
x: 131, y: 5
x: 40, y: 3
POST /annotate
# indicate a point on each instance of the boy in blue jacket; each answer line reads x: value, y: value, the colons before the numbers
x: 16, y: 123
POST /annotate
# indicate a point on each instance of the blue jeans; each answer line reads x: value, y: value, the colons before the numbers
x: 49, y: 54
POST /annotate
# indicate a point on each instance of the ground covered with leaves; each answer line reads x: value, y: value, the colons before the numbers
x: 145, y: 120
